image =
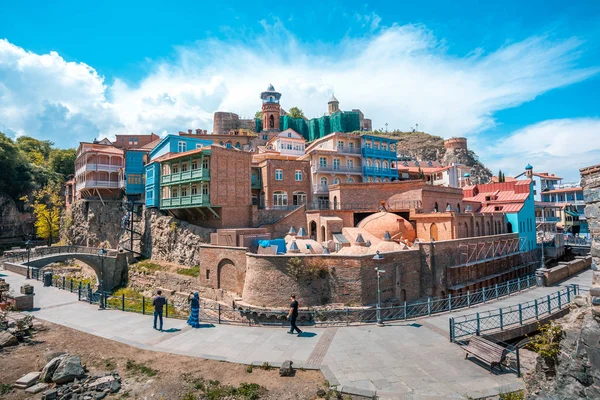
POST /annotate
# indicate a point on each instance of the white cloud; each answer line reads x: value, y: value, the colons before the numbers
x: 560, y: 146
x: 401, y: 75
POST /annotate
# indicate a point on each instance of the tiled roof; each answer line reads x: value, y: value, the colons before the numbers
x: 574, y: 189
x: 547, y: 176
x: 151, y: 145
x: 505, y: 208
x: 499, y: 197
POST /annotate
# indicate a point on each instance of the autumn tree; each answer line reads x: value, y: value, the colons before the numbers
x: 46, y: 204
x: 35, y: 151
x: 258, y: 115
x: 295, y: 112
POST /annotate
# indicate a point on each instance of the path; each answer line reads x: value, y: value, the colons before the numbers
x: 404, y: 360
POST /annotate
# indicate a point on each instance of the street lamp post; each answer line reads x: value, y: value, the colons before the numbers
x: 102, y: 254
x: 28, y: 247
x: 543, y: 259
x: 379, y: 257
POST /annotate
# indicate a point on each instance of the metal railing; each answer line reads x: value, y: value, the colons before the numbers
x: 38, y: 252
x: 337, y: 168
x: 509, y: 317
x: 219, y: 313
x: 578, y: 241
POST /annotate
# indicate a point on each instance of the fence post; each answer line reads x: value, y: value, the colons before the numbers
x: 520, y: 314
x: 348, y: 316
x: 218, y: 312
x: 518, y: 363
x: 89, y: 293
x: 497, y: 294
x: 429, y: 306
x: 501, y: 320
x: 143, y: 305
x: 483, y: 294
x: 468, y: 298
x: 79, y: 292
x: 519, y: 284
x: 549, y: 309
x: 478, y: 325
x: 451, y: 330
x: 536, y: 309
x: 166, y: 308
x: 508, y: 288
x: 568, y: 294
x: 64, y: 281
x: 405, y: 311
x: 248, y: 313
x: 71, y: 285
x: 559, y: 302
x: 449, y: 302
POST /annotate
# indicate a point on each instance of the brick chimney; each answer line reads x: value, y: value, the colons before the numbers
x: 189, y: 131
x: 198, y: 131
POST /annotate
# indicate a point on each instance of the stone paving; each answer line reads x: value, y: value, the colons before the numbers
x: 403, y: 360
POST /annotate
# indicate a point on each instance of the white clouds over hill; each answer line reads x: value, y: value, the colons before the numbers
x: 401, y: 75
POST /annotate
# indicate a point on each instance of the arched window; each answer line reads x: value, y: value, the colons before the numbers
x: 237, y: 145
x: 271, y: 121
x: 385, y: 164
x: 488, y: 230
x: 477, y: 231
x: 350, y: 180
x: 369, y: 179
x: 458, y: 207
x: 377, y: 164
x: 377, y: 180
x: 436, y: 208
x: 280, y: 198
x: 466, y: 229
x: 299, y: 198
x: 323, y: 181
x: 336, y: 181
x: 433, y: 231
x: 509, y: 228
x: 386, y: 180
x: 335, y: 203
x: 368, y: 163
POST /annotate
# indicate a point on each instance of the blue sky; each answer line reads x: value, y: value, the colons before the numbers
x: 519, y: 79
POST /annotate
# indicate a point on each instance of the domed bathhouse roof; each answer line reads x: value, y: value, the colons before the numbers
x: 397, y: 227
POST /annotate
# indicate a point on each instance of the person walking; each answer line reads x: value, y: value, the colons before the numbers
x: 293, y: 315
x: 158, y: 302
x: 194, y: 319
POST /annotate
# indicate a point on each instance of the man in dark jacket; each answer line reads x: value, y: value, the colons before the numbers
x: 293, y: 315
x: 158, y: 302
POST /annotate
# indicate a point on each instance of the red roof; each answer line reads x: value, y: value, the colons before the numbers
x: 575, y: 189
x: 505, y: 208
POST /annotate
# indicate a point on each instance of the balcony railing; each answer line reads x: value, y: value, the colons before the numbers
x: 370, y: 152
x: 98, y: 167
x: 387, y: 172
x: 180, y: 177
x: 337, y: 169
x: 98, y: 184
x: 122, y: 184
x: 547, y: 219
x: 347, y: 150
x: 320, y: 188
x: 186, y: 201
x: 256, y: 183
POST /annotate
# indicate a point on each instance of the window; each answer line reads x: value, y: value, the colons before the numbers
x: 299, y: 198
x: 377, y: 164
x: 150, y: 194
x: 175, y: 168
x: 336, y: 163
x: 378, y: 180
x: 205, y: 163
x: 135, y: 140
x: 174, y: 192
x: 181, y: 147
x: 265, y: 137
x: 165, y: 169
x: 350, y: 164
x: 278, y: 174
x: 298, y: 175
x: 351, y: 146
x: 134, y: 179
x: 184, y: 191
x: 238, y: 145
x: 194, y: 164
x: 368, y: 163
x: 207, y: 274
x: 350, y: 180
x: 386, y: 180
x: 205, y: 189
x: 322, y: 162
x: 228, y: 145
x: 323, y: 181
x: 194, y: 190
x: 336, y: 181
x: 370, y: 179
x: 383, y: 146
x: 279, y: 198
x: 385, y: 164
x: 289, y: 134
x: 130, y: 141
x: 340, y: 145
x: 368, y: 145
x: 376, y: 146
x: 184, y: 167
x: 198, y: 145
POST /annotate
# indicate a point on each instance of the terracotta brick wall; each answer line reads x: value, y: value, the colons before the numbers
x: 295, y: 218
x: 289, y: 183
x: 223, y: 268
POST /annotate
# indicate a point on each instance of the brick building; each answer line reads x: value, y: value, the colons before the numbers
x: 127, y: 142
x: 97, y: 168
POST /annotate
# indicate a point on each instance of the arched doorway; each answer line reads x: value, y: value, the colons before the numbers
x: 509, y: 227
x: 312, y: 230
x: 271, y: 121
x: 488, y: 229
x: 466, y: 229
x: 335, y: 203
x: 323, y: 238
x: 433, y: 231
x: 227, y: 276
x: 436, y: 207
x: 477, y: 230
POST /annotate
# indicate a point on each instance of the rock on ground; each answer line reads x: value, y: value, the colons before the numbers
x: 68, y: 370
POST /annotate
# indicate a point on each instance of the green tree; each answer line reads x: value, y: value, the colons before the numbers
x: 295, y: 112
x: 46, y: 203
x: 258, y: 115
x: 62, y: 161
x: 16, y: 177
x: 36, y: 151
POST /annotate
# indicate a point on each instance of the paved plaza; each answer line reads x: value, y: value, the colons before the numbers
x: 403, y: 360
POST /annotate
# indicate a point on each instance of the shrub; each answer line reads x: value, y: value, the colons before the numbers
x: 295, y: 267
x: 193, y: 271
x: 134, y: 367
x: 547, y: 342
x: 173, y: 226
x: 518, y: 395
x: 147, y: 266
x: 249, y: 369
x: 5, y: 388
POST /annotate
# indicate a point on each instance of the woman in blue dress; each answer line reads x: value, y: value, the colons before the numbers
x: 194, y: 319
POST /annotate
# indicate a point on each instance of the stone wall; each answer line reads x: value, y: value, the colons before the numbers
x: 590, y: 182
x: 565, y: 269
x: 223, y: 268
x: 13, y: 224
x: 296, y: 218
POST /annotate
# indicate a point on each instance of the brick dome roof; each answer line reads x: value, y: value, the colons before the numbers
x: 399, y: 228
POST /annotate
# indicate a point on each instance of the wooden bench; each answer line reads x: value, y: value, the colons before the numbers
x: 485, y: 350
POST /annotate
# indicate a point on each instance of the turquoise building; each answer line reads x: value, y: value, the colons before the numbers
x: 133, y: 180
x: 379, y: 158
x: 169, y: 144
x: 316, y: 128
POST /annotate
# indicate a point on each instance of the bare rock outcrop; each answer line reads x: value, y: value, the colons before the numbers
x: 92, y: 223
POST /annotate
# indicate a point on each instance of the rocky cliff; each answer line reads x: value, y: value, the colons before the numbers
x: 93, y: 223
x: 422, y: 146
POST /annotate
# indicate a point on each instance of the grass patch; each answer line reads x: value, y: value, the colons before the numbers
x: 266, y: 366
x: 518, y: 395
x: 146, y: 267
x: 141, y: 369
x: 5, y: 388
x: 249, y: 369
x: 193, y: 271
x: 213, y: 390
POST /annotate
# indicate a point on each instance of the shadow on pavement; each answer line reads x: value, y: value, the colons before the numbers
x: 307, y: 334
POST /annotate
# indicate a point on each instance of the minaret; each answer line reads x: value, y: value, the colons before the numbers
x: 333, y: 105
x: 271, y: 109
x: 529, y: 171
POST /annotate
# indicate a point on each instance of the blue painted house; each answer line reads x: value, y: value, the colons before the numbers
x: 516, y: 200
x: 170, y: 144
x: 379, y: 158
x: 132, y: 181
